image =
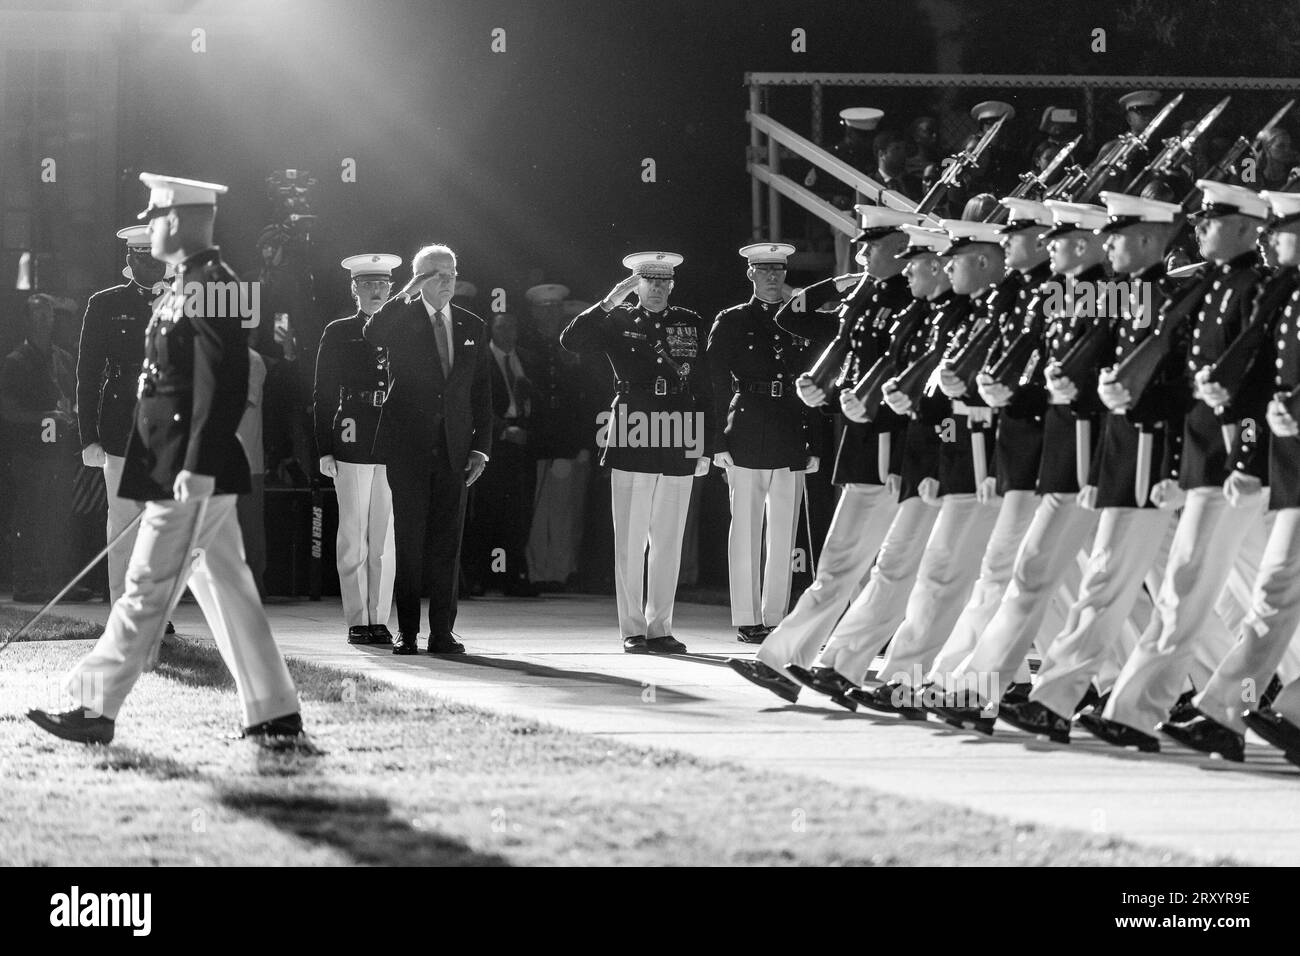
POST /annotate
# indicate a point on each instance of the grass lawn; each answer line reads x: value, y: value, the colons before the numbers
x: 407, y: 779
x: 52, y: 627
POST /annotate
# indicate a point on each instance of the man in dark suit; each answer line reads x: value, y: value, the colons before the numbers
x: 184, y: 460
x: 436, y: 433
x: 501, y: 509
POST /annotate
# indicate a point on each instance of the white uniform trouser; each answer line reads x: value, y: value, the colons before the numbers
x: 756, y: 494
x: 862, y: 518
x: 944, y: 580
x: 121, y: 511
x: 1206, y: 541
x: 558, y: 512
x: 1014, y: 517
x: 876, y: 613
x: 649, y: 514
x: 364, y: 549
x: 224, y: 587
x: 1059, y: 530
x: 1265, y: 636
x: 1126, y: 549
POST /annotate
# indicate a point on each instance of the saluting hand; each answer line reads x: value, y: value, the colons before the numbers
x: 619, y: 293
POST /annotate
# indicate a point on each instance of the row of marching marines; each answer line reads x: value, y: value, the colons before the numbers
x: 1051, y: 443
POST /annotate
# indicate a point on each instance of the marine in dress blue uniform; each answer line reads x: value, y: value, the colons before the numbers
x: 657, y: 437
x: 109, y: 355
x: 1223, y: 506
x: 348, y: 395
x: 184, y: 461
x: 764, y: 442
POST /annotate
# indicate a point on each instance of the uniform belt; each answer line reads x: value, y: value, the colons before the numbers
x: 770, y: 389
x: 375, y: 397
x: 659, y: 386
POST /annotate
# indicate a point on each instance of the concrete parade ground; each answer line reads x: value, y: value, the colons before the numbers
x: 557, y: 659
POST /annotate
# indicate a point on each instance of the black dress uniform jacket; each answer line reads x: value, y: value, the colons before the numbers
x: 108, y: 363
x: 192, y: 391
x: 1158, y: 412
x: 424, y: 407
x: 1278, y: 363
x: 1019, y: 445
x: 562, y: 409
x: 922, y: 438
x: 1224, y: 312
x: 1058, y: 472
x: 349, y: 392
x: 754, y: 363
x: 635, y: 340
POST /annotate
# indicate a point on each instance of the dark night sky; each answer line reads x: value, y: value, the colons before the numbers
x: 528, y: 159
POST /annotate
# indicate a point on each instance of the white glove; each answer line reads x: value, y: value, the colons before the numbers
x: 93, y: 456
x: 723, y: 460
x: 809, y: 394
x: 852, y: 407
x: 1113, y: 395
x: 995, y: 394
x: 1211, y: 393
x: 814, y: 463
x: 987, y: 491
x: 1280, y: 421
x: 329, y: 466
x: 1240, y: 488
x: 1087, y: 497
x: 898, y: 402
x: 190, y: 486
x: 928, y: 489
x: 702, y: 466
x: 1167, y: 495
x: 892, y: 484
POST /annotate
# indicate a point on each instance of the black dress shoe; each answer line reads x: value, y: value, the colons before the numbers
x: 961, y: 717
x: 290, y: 725
x: 359, y: 634
x: 1276, y: 729
x: 445, y: 643
x: 752, y: 633
x: 406, y: 644
x: 825, y: 680
x: 635, y: 645
x: 1033, y: 718
x: 1208, y: 736
x: 75, y: 725
x: 888, y: 699
x: 756, y: 672
x: 665, y: 645
x: 1017, y: 693
x: 1117, y: 734
x: 1183, y: 710
x: 1091, y: 699
x: 380, y: 634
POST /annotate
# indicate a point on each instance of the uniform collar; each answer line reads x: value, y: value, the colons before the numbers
x: 199, y: 259
x: 1243, y: 261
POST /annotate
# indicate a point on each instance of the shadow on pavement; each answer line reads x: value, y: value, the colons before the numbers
x: 546, y: 672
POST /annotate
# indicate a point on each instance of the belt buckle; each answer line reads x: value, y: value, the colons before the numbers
x: 661, y: 386
x: 777, y: 389
x: 378, y: 397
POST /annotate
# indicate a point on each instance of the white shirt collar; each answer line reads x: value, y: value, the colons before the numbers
x: 446, y: 312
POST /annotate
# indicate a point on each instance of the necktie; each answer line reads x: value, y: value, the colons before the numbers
x: 444, y: 346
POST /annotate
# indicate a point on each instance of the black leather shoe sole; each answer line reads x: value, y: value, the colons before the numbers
x: 1118, y: 735
x: 1276, y: 730
x: 406, y: 648
x: 635, y: 645
x: 85, y: 732
x: 1207, y: 736
x: 454, y: 647
x: 762, y: 676
x: 836, y: 690
x: 1034, y: 718
x: 665, y: 645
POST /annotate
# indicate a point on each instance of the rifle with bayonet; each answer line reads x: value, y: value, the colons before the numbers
x: 1035, y: 185
x: 870, y: 388
x: 827, y: 367
x: 1012, y: 366
x: 1227, y: 163
x: 960, y: 163
x: 1116, y: 163
x: 1176, y: 151
x: 1231, y: 368
x: 1139, y: 366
